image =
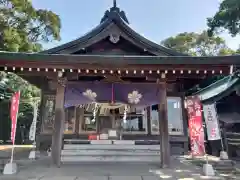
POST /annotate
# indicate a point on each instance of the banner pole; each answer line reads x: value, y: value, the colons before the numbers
x: 219, y: 127
x: 12, y: 153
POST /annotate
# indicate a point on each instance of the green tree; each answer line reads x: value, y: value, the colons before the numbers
x: 198, y: 44
x: 227, y: 17
x: 29, y: 95
x: 24, y: 28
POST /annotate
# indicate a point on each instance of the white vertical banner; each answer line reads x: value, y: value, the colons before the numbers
x: 211, y: 119
x: 33, y: 128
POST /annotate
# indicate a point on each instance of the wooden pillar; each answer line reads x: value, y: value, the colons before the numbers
x: 65, y: 123
x: 149, y: 123
x: 224, y: 137
x: 163, y: 128
x: 81, y: 119
x: 57, y: 137
x: 41, y: 117
x: 98, y: 123
x: 74, y: 119
x: 77, y: 120
x: 185, y: 125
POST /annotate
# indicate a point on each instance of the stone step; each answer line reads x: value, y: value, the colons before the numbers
x: 110, y: 152
x: 74, y: 159
x: 123, y: 142
x: 110, y: 147
x: 120, y: 151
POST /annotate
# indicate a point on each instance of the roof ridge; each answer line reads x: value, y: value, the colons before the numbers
x: 114, y: 15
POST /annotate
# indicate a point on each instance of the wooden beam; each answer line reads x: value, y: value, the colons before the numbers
x: 99, y: 66
x: 163, y: 128
x: 50, y: 75
x: 57, y: 137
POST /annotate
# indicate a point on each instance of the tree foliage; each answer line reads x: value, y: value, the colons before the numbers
x: 16, y: 83
x: 227, y: 17
x: 23, y: 27
x: 29, y: 95
x: 198, y: 44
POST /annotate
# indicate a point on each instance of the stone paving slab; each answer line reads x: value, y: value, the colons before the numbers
x: 93, y: 178
x: 125, y: 177
x: 61, y: 178
x: 110, y: 178
x: 88, y: 178
x: 107, y: 171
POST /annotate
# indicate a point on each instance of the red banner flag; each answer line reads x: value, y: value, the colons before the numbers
x: 196, y: 131
x: 14, y: 113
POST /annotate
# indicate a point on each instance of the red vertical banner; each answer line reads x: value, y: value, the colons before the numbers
x: 14, y: 113
x: 196, y: 130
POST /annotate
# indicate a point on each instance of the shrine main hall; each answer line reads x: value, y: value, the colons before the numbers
x: 114, y: 85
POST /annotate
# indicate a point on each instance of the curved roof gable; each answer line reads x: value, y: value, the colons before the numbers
x: 113, y: 22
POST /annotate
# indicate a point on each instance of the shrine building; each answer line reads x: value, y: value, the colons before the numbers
x: 113, y: 84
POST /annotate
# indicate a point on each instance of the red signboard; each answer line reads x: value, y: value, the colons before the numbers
x: 196, y: 131
x: 14, y: 113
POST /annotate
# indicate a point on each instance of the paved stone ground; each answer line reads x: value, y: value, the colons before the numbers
x: 42, y: 170
x: 19, y: 153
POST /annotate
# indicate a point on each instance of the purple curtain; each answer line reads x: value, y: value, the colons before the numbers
x: 83, y: 93
x: 134, y: 94
x: 137, y: 94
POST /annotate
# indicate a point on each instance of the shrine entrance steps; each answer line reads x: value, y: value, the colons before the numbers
x: 75, y: 151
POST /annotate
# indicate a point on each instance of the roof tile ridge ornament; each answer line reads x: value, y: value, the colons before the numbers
x: 114, y: 3
x: 113, y: 13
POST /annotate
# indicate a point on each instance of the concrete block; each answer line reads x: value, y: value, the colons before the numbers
x: 208, y: 170
x: 10, y: 168
x: 32, y: 155
x: 223, y: 155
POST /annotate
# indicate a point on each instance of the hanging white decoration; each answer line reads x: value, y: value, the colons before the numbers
x: 134, y: 97
x: 95, y: 112
x: 90, y: 94
x: 125, y: 114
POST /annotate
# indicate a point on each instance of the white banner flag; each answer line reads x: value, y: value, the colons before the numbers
x: 33, y: 128
x: 210, y: 115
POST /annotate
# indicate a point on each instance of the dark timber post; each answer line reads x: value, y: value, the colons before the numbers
x: 77, y: 119
x: 58, y: 124
x: 149, y: 124
x: 163, y: 128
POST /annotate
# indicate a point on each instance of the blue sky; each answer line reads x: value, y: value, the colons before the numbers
x: 155, y: 19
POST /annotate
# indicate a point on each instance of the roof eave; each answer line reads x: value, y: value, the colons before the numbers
x: 225, y: 61
x: 232, y: 82
x: 83, y: 38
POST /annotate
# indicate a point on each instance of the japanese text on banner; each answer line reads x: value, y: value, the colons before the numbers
x: 14, y: 113
x: 196, y: 131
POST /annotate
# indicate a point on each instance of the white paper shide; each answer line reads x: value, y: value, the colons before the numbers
x: 211, y: 120
x: 33, y: 128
